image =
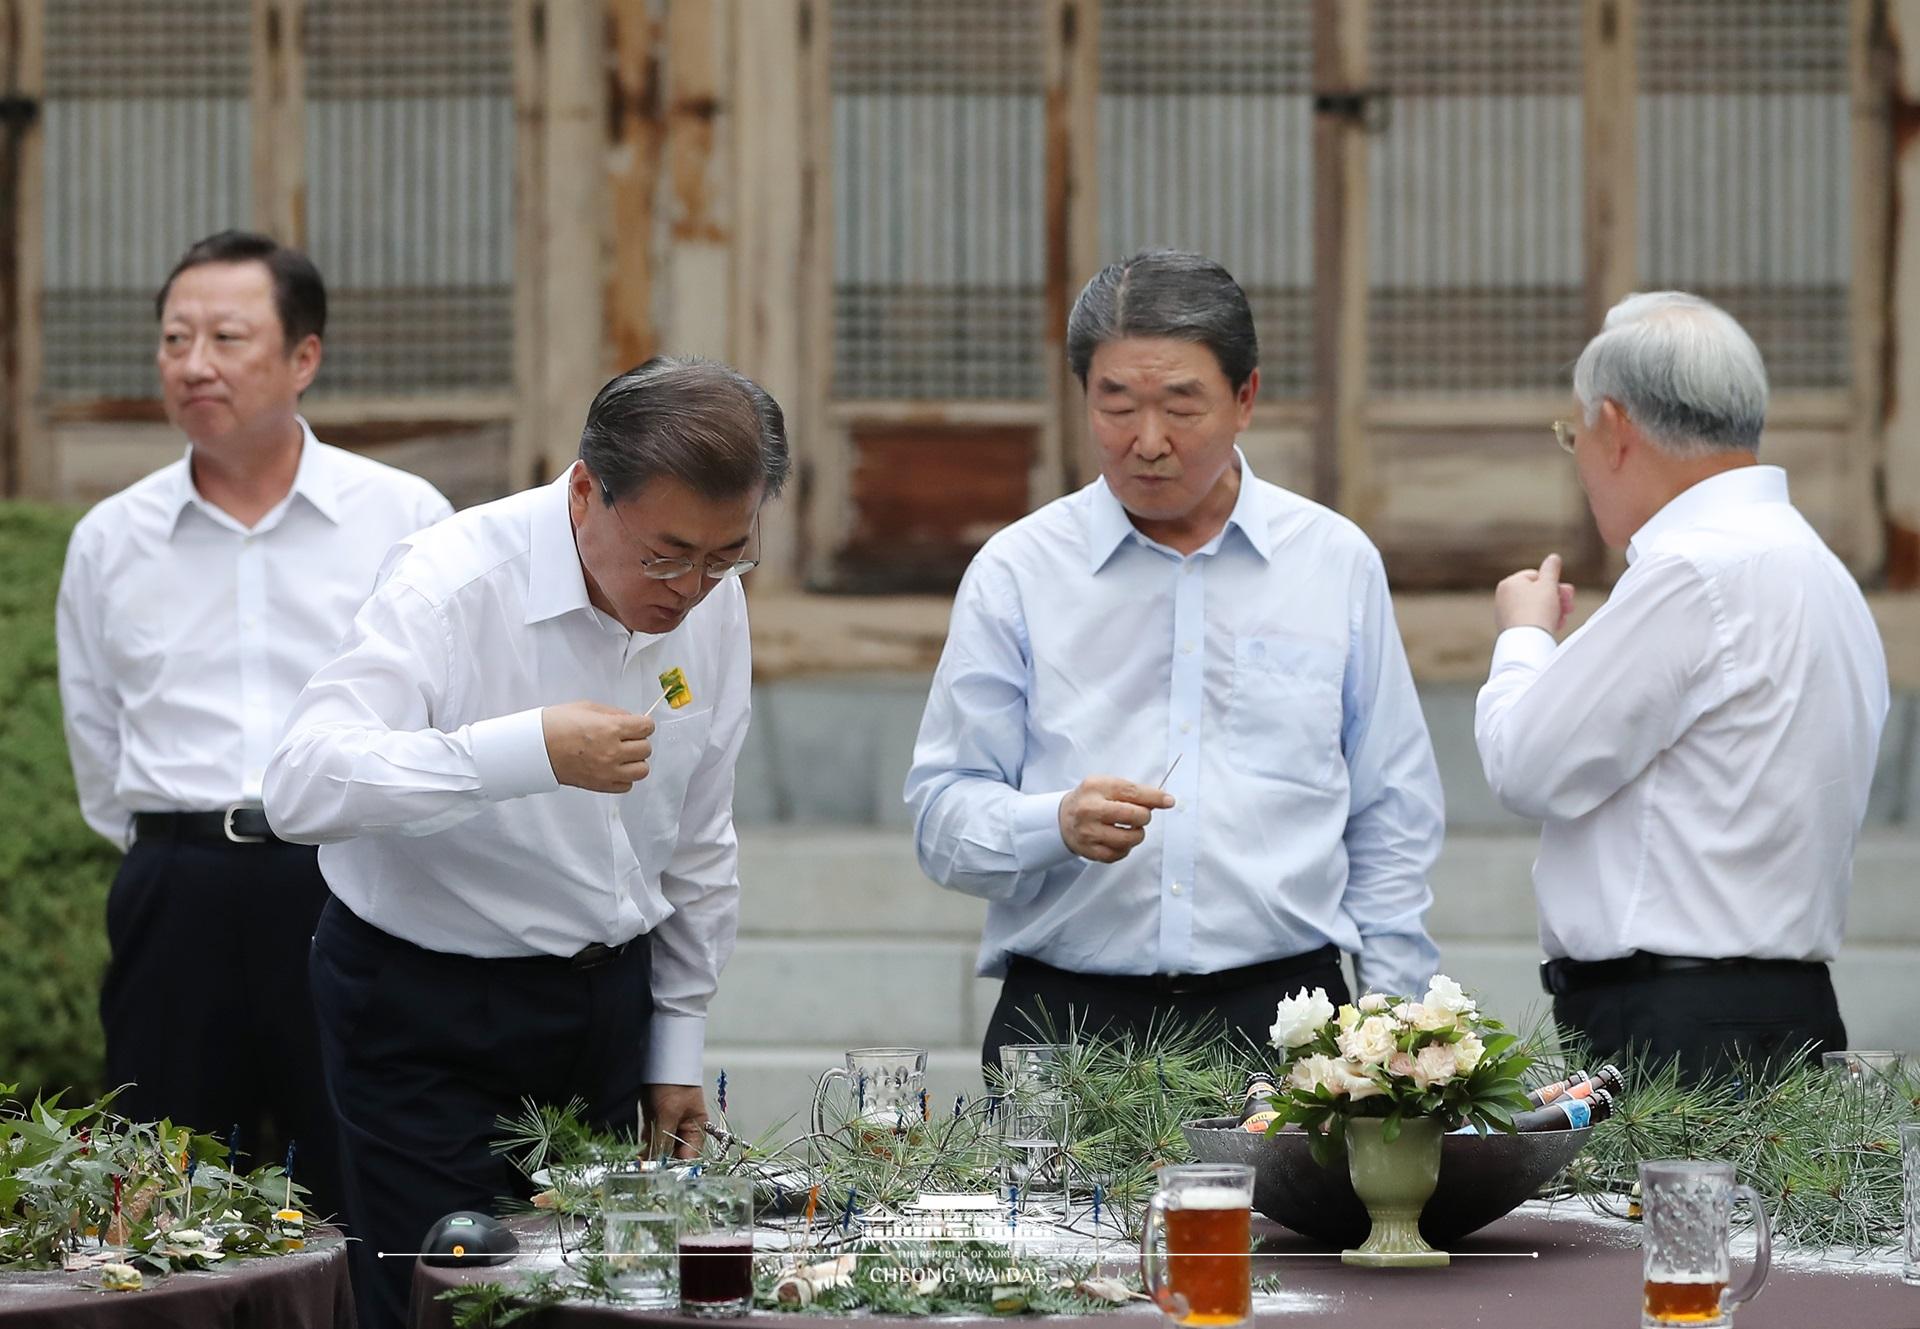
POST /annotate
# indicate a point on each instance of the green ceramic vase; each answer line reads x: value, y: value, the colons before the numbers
x: 1394, y: 1180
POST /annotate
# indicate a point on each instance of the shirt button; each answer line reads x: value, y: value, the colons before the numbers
x: 1175, y: 889
x: 1186, y: 648
x: 1186, y: 726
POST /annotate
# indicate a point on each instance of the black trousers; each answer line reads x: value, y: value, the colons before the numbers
x: 424, y: 1050
x: 205, y: 1003
x: 1707, y: 1020
x: 1034, y: 994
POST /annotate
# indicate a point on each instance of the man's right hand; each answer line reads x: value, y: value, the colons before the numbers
x: 601, y: 748
x: 1105, y: 817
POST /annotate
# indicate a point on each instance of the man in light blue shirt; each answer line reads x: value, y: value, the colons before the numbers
x: 1181, y: 616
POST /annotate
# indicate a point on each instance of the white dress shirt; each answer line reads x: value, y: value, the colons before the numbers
x: 1308, y: 808
x: 184, y: 636
x: 417, y: 760
x: 1701, y: 749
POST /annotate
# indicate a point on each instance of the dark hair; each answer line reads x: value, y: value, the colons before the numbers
x: 1165, y: 293
x: 711, y: 428
x: 299, y: 296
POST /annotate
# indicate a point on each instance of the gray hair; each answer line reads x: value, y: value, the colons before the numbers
x: 708, y: 426
x: 1165, y: 293
x: 1684, y: 371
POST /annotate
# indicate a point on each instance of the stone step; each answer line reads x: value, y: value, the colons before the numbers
x: 856, y: 882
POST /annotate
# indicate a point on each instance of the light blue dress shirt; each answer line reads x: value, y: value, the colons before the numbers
x: 1308, y: 808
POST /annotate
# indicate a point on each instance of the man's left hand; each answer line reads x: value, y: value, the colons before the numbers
x: 1534, y: 598
x: 676, y: 1116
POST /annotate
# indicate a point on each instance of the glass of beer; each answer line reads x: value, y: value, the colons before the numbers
x: 716, y: 1246
x: 1203, y: 1212
x: 886, y: 1089
x: 1687, y: 1208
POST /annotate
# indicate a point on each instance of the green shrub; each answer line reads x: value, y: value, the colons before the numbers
x: 54, y: 871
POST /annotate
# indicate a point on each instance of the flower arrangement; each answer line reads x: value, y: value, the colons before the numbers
x: 1393, y: 1057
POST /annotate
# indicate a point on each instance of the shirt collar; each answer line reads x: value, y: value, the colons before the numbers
x: 1740, y: 487
x: 314, y: 480
x: 1108, y: 524
x: 556, y: 583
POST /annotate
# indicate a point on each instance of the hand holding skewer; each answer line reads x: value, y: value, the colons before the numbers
x: 1105, y: 816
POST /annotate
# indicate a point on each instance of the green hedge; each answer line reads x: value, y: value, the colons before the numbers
x: 54, y: 871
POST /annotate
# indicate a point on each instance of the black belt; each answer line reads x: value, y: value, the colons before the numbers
x: 238, y: 824
x: 1563, y: 976
x: 590, y: 956
x: 1174, y: 985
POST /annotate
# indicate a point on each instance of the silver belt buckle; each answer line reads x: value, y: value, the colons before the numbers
x: 226, y: 824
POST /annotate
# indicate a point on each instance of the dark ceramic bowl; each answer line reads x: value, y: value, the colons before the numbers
x: 1481, y: 1179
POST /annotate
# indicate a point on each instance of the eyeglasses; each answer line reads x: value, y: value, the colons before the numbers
x: 672, y: 569
x: 1564, y: 435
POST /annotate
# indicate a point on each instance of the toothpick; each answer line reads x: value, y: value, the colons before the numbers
x: 1169, y: 775
x: 656, y: 703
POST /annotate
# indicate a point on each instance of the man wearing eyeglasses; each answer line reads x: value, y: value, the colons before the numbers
x: 1700, y: 751
x: 520, y: 770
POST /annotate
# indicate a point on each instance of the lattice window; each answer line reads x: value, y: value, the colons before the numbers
x: 1206, y: 143
x: 1745, y: 143
x: 939, y: 199
x: 147, y: 150
x: 410, y: 150
x: 1475, y: 196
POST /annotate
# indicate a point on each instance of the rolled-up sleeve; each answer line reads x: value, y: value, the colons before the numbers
x: 1398, y: 814
x: 975, y: 830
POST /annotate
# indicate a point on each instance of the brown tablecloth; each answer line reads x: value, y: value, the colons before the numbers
x: 1587, y: 1272
x: 307, y: 1289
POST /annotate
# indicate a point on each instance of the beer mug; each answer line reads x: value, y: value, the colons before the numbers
x: 1687, y: 1208
x: 1204, y: 1214
x: 1868, y: 1072
x: 887, y: 1086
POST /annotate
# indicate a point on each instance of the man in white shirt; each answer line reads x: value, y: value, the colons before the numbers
x: 1700, y: 750
x: 520, y: 767
x: 193, y: 607
x: 1180, y: 623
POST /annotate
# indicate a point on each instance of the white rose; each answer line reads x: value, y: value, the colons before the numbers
x: 1310, y: 1073
x: 1346, y: 1078
x: 1299, y: 1017
x: 1433, y: 1019
x: 1373, y: 1001
x: 1371, y: 1041
x: 1467, y: 1052
x: 1435, y: 1064
x: 1447, y: 995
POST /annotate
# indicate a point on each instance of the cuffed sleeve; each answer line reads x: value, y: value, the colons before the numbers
x: 510, y: 753
x: 675, y: 1046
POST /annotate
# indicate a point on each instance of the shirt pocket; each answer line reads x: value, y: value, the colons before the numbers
x: 1283, y: 721
x: 679, y: 744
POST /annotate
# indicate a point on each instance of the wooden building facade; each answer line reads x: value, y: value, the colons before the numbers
x: 882, y: 209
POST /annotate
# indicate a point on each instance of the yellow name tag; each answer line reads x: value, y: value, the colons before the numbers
x: 674, y: 684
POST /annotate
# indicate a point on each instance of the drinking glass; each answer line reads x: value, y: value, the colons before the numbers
x: 887, y: 1086
x: 640, y: 1212
x: 1204, y: 1214
x: 1687, y: 1209
x: 1910, y: 1200
x: 1865, y: 1070
x: 716, y: 1247
x: 1034, y: 1121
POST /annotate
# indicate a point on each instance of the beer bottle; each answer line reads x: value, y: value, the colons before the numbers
x: 1547, y: 1093
x: 1260, y: 1088
x: 1567, y: 1114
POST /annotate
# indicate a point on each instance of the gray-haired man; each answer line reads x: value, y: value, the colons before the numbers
x: 534, y: 878
x: 1177, y: 615
x: 1701, y: 749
